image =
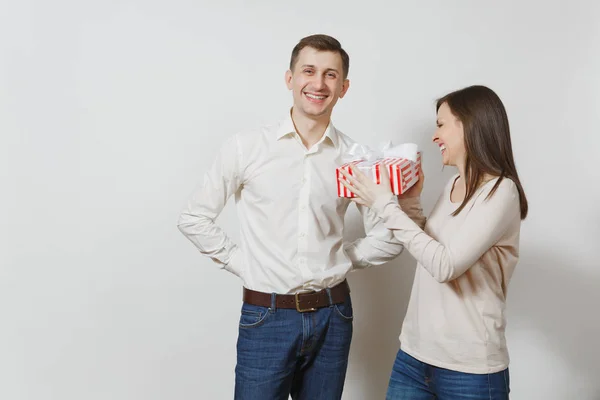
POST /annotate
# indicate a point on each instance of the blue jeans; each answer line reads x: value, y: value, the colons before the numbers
x: 414, y: 380
x: 282, y: 352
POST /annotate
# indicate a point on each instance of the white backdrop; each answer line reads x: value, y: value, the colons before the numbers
x: 111, y: 110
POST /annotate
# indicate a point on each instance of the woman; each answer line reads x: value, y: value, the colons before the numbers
x: 452, y: 341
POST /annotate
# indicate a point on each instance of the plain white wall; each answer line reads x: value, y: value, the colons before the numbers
x: 110, y: 111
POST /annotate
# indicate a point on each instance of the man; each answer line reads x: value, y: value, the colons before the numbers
x: 296, y: 319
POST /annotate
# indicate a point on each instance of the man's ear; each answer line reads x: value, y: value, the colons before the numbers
x: 288, y: 79
x: 345, y: 87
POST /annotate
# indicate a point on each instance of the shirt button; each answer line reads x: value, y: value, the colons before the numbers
x: 302, y: 234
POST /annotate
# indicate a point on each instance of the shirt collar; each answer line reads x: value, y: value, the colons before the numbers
x: 287, y: 127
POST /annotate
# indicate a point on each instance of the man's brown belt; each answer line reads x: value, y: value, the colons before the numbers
x: 302, y: 302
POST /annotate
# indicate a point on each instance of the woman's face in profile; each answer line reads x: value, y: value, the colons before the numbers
x: 449, y: 136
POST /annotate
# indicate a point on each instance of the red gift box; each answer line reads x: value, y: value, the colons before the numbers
x: 403, y: 173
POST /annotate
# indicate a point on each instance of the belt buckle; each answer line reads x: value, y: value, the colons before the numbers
x: 302, y: 310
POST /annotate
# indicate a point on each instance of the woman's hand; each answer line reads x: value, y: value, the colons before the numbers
x: 366, y: 191
x: 417, y: 188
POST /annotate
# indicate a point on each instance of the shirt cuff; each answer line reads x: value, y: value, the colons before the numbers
x: 358, y: 261
x: 235, y: 264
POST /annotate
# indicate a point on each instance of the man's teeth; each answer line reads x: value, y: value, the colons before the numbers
x: 442, y: 148
x: 312, y: 96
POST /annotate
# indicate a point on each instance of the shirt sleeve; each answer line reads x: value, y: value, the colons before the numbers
x: 377, y: 247
x: 197, y: 220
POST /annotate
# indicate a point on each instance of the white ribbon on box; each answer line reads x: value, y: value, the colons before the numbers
x: 408, y: 151
x: 368, y: 156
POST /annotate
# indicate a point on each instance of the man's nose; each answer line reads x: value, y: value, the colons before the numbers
x: 319, y: 82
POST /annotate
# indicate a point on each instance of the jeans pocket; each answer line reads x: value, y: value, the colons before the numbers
x: 344, y: 310
x: 253, y: 316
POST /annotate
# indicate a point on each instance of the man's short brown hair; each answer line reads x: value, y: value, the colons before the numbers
x: 321, y: 43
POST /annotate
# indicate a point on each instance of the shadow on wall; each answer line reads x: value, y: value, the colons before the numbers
x: 558, y: 300
x: 380, y: 298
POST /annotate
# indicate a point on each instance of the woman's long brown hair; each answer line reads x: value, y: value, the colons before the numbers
x: 487, y: 140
